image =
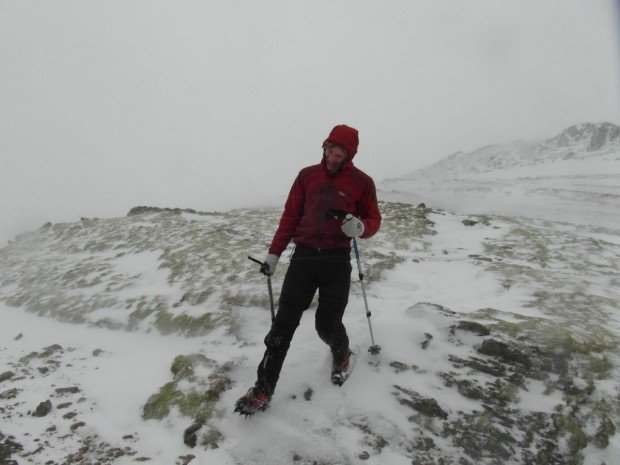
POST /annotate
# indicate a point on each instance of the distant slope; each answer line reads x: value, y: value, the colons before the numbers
x: 153, y: 269
x: 580, y: 142
x: 574, y: 176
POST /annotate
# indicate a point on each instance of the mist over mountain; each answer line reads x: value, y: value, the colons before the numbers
x: 587, y: 141
x: 573, y: 176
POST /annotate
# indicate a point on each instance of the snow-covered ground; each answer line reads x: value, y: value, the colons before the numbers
x: 555, y: 193
x: 499, y: 338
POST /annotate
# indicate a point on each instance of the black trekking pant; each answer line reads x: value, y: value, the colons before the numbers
x: 327, y: 270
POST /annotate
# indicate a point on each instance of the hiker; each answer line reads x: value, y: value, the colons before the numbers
x: 321, y: 259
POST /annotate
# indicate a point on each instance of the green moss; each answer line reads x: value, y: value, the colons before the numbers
x: 484, y: 421
x: 452, y: 428
x: 168, y: 323
x: 50, y: 350
x: 545, y: 457
x: 212, y: 438
x: 197, y: 405
x: 605, y: 430
x: 601, y: 366
x: 201, y: 297
x: 569, y: 425
x: 183, y: 365
x: 17, y: 300
x: 143, y: 310
x: 399, y: 367
x: 587, y: 345
x: 10, y: 393
x: 158, y: 406
x: 239, y: 299
x: 243, y: 299
x: 196, y: 400
x: 379, y: 263
x: 109, y: 323
x: 577, y: 439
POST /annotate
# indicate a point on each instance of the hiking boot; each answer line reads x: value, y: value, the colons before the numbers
x: 341, y: 369
x: 253, y: 400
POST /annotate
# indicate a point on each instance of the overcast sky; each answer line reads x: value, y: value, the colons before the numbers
x: 218, y: 104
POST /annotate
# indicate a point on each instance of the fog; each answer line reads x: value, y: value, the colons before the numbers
x: 215, y: 105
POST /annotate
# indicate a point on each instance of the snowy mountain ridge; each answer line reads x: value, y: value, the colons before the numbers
x: 572, y: 177
x: 585, y: 141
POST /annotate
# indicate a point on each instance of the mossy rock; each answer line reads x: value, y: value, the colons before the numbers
x: 426, y: 406
x: 192, y: 395
x: 480, y: 437
x: 399, y: 367
x: 429, y: 407
x: 183, y: 366
x: 427, y: 340
x: 212, y: 438
x: 195, y: 297
x: 190, y: 404
x: 473, y: 327
x: 50, y: 350
x: 158, y: 406
x: 502, y: 350
x: 605, y: 430
x: 10, y: 393
x: 168, y: 323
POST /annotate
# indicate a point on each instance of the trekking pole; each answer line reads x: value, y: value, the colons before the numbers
x: 262, y: 270
x: 341, y: 215
x: 374, y: 348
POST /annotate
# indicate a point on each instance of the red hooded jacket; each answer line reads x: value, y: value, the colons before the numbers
x: 316, y: 190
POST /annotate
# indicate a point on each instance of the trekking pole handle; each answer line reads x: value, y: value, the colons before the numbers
x: 357, y: 257
x: 271, y: 305
x: 269, y: 288
x: 254, y: 260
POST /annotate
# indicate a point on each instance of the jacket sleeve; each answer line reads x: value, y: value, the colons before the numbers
x: 293, y: 211
x: 369, y: 210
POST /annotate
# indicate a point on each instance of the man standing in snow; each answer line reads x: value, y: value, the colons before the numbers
x: 321, y: 259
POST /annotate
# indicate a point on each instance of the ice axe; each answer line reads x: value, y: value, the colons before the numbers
x: 342, y: 215
x: 263, y: 269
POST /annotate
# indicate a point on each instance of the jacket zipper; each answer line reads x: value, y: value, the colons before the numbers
x: 325, y: 190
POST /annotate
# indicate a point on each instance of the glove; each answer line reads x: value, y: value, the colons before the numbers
x: 268, y: 268
x: 353, y: 227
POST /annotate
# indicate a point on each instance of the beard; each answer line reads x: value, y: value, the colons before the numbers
x: 332, y: 167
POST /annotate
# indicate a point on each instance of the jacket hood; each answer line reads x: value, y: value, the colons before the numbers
x: 345, y: 136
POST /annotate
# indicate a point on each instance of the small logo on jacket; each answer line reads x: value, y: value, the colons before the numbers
x: 342, y: 194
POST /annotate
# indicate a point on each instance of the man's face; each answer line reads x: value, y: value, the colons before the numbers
x: 335, y: 156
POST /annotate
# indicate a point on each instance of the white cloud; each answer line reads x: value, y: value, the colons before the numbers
x: 217, y: 104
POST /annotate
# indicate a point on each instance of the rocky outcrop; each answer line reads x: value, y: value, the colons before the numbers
x: 193, y: 395
x: 43, y: 408
x: 595, y: 136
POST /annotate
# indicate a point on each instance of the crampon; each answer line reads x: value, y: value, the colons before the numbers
x: 342, y: 370
x: 252, y: 401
